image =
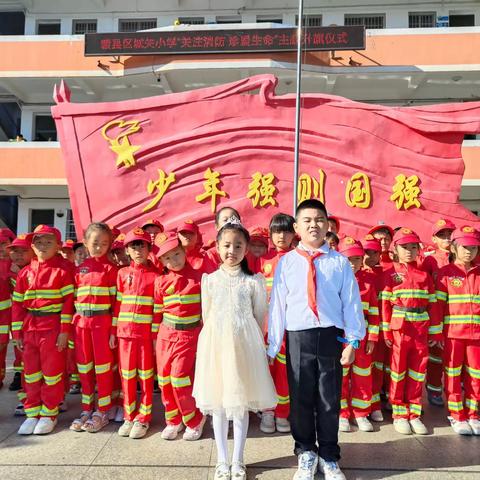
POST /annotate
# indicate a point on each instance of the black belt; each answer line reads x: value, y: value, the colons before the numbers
x: 410, y: 309
x: 41, y: 313
x: 93, y: 313
x: 181, y: 326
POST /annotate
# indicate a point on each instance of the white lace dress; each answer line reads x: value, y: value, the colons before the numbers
x: 232, y: 372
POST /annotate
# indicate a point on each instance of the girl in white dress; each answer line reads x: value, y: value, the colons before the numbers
x: 231, y: 373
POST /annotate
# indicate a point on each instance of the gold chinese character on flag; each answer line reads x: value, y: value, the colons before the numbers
x: 262, y: 190
x: 309, y: 187
x: 406, y: 192
x: 212, y: 191
x: 358, y: 192
x: 160, y: 185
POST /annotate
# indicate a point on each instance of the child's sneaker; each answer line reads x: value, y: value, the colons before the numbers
x: 267, y: 424
x: 282, y: 425
x: 344, y: 425
x: 331, y: 470
x: 460, y: 427
x: 364, y: 424
x: 402, y: 426
x: 44, y: 426
x: 28, y: 426
x: 307, y: 466
x: 78, y: 423
x: 16, y: 383
x: 19, y: 410
x: 222, y: 471
x: 418, y: 427
x: 96, y: 423
x: 139, y: 430
x: 170, y: 432
x: 474, y: 424
x: 377, y: 416
x: 125, y: 429
x: 118, y: 415
x: 192, y: 434
x: 238, y: 471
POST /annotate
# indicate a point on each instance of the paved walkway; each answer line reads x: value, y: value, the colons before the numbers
x: 383, y: 454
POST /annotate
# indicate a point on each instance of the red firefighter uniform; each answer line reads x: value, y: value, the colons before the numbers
x: 95, y: 296
x: 266, y: 265
x: 410, y: 319
x: 177, y: 301
x: 458, y: 293
x: 134, y: 325
x: 42, y: 309
x: 357, y: 386
x: 5, y: 320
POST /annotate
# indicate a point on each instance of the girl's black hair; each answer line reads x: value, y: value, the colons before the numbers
x: 281, y: 222
x: 218, y: 213
x: 236, y: 227
x: 332, y: 236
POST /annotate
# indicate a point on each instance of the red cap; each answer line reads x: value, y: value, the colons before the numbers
x: 118, y: 243
x: 166, y: 241
x: 4, y: 238
x: 260, y: 234
x: 115, y: 231
x: 336, y: 220
x: 381, y: 226
x: 466, y: 236
x: 6, y: 232
x: 405, y: 235
x: 152, y: 221
x: 137, y: 234
x: 371, y: 243
x: 442, y: 224
x: 69, y: 243
x: 350, y: 247
x: 45, y: 230
x: 188, y: 226
x: 21, y: 241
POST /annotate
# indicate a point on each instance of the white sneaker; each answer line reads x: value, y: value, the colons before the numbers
x: 222, y: 471
x: 192, y: 434
x: 238, y: 471
x: 28, y: 426
x: 402, y: 426
x: 44, y: 426
x: 364, y: 424
x: 125, y: 429
x: 331, y: 470
x: 344, y: 425
x: 377, y: 416
x: 267, y: 424
x: 460, y: 428
x: 139, y: 430
x: 474, y: 424
x: 19, y: 410
x: 119, y: 415
x: 282, y: 425
x: 307, y: 466
x: 170, y: 432
x: 418, y: 427
x: 63, y: 407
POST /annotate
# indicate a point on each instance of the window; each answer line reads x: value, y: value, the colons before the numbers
x: 41, y: 217
x: 232, y: 19
x: 134, y: 25
x: 462, y: 20
x: 48, y: 27
x: 44, y: 128
x: 12, y: 23
x: 422, y: 19
x: 310, y: 20
x: 80, y: 27
x: 269, y: 19
x: 70, y: 226
x: 191, y: 20
x: 369, y: 21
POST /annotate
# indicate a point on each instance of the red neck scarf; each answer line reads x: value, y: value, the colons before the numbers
x: 311, y: 283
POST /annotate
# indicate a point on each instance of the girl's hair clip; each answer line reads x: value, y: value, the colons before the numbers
x: 233, y: 220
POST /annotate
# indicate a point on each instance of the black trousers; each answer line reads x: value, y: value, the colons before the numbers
x: 315, y: 382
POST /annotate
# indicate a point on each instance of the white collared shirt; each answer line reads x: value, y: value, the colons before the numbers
x: 338, y: 297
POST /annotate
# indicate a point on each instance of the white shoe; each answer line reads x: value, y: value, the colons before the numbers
x: 402, y: 426
x: 170, y: 432
x: 331, y: 470
x: 460, y: 428
x: 119, y: 415
x: 28, y: 426
x: 418, y: 427
x: 238, y: 471
x: 344, y: 425
x: 364, y: 424
x: 222, y: 472
x: 63, y: 407
x: 125, y: 429
x: 307, y: 466
x: 192, y: 434
x: 377, y: 416
x: 282, y: 425
x: 474, y: 424
x: 267, y: 424
x: 139, y: 430
x: 45, y: 425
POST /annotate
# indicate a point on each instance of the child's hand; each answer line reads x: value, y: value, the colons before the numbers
x: 19, y: 344
x: 271, y: 360
x: 369, y: 347
x: 62, y: 341
x: 348, y: 355
x: 112, y: 342
x: 388, y: 343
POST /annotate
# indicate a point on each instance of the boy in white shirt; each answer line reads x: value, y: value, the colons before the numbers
x: 316, y: 300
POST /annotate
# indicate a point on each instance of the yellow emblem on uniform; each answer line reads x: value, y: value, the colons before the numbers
x: 468, y: 229
x: 456, y: 282
x: 170, y: 290
x: 268, y: 268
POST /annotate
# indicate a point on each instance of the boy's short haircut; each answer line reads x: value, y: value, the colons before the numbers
x: 77, y: 245
x: 312, y: 203
x: 281, y: 222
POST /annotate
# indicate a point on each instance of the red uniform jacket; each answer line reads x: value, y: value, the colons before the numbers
x: 199, y: 260
x: 434, y: 262
x: 5, y: 306
x: 95, y: 290
x: 369, y: 297
x: 45, y: 287
x: 133, y: 316
x: 458, y: 294
x: 267, y: 264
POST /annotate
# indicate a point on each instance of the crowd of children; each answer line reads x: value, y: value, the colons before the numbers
x: 111, y: 316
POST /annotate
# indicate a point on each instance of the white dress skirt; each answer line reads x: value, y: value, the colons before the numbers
x: 231, y: 372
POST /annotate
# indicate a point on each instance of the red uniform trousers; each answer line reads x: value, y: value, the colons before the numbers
x: 3, y: 357
x: 462, y: 364
x: 136, y: 364
x: 279, y: 375
x: 380, y: 372
x: 176, y: 351
x: 357, y: 385
x: 117, y: 395
x: 44, y: 368
x: 408, y: 366
x: 71, y: 371
x: 435, y: 370
x: 94, y: 362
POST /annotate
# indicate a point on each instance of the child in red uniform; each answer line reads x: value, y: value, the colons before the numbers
x: 134, y: 325
x: 258, y: 245
x: 95, y: 294
x: 458, y: 293
x: 357, y: 384
x: 412, y: 324
x: 384, y: 234
x: 282, y: 234
x: 188, y: 234
x: 5, y: 320
x: 41, y: 318
x: 177, y: 300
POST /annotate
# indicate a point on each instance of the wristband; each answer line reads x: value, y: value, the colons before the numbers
x: 354, y: 343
